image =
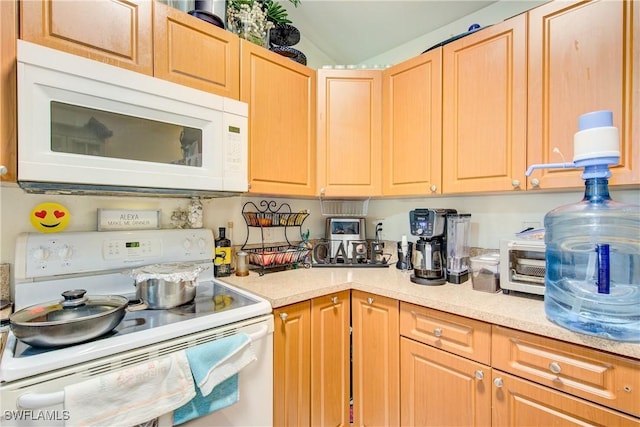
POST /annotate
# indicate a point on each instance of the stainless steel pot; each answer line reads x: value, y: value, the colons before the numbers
x: 159, y: 294
x: 75, y: 319
x: 168, y: 285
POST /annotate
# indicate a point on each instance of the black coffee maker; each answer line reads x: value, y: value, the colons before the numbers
x: 430, y: 251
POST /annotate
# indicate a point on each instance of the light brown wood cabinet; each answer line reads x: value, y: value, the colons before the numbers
x: 116, y: 32
x: 282, y: 122
x: 311, y: 362
x: 144, y: 36
x: 583, y: 57
x: 330, y: 367
x: 8, y: 113
x: 292, y: 365
x: 602, y: 378
x: 502, y: 377
x: 441, y: 389
x: 315, y: 371
x: 484, y: 126
x: 412, y: 126
x: 195, y: 53
x: 376, y: 360
x: 434, y: 374
x: 517, y: 402
x: 349, y: 133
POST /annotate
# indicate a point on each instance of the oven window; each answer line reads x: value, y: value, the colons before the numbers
x: 345, y: 227
x: 87, y: 131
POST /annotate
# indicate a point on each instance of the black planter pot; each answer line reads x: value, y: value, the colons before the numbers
x: 284, y: 35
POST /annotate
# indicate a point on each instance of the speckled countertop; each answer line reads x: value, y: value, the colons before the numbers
x: 513, y: 311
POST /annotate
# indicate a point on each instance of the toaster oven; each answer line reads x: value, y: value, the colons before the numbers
x: 342, y: 233
x: 522, y: 266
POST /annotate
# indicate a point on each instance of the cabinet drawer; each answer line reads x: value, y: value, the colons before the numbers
x: 518, y: 402
x: 459, y: 335
x: 610, y: 380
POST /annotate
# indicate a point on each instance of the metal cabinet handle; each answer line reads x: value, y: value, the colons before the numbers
x: 515, y: 183
x: 370, y: 300
x: 479, y: 375
x: 535, y: 182
x: 437, y: 332
x: 555, y: 367
x: 3, y: 170
x: 284, y: 316
x: 433, y: 188
x: 334, y: 300
x: 498, y: 382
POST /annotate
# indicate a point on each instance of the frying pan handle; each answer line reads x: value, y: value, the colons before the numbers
x: 40, y: 400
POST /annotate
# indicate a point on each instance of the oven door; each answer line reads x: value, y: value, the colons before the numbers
x: 38, y: 400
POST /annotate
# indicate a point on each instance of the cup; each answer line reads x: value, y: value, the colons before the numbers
x: 242, y: 267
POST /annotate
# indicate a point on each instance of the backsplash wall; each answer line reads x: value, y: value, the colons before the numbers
x: 493, y: 216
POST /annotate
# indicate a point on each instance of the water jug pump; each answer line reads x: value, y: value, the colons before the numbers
x: 592, y: 279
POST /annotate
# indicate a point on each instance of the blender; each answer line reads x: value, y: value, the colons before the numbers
x: 458, y: 247
x: 429, y: 254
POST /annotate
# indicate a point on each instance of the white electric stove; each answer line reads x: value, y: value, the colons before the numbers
x: 48, y: 264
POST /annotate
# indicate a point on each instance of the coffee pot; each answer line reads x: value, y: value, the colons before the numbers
x: 429, y: 255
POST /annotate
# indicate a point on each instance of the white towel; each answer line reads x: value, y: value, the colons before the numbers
x: 133, y: 395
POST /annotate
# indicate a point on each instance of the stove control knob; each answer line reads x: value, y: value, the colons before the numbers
x: 41, y: 254
x: 201, y: 243
x: 186, y: 244
x: 65, y: 252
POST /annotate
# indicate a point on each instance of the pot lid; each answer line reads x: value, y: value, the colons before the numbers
x: 172, y: 272
x: 74, y: 307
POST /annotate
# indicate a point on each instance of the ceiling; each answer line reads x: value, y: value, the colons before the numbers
x: 352, y: 31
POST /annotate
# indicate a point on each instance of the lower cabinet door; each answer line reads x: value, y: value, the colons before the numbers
x: 376, y: 360
x: 442, y: 389
x: 518, y: 402
x: 330, y: 316
x: 291, y: 365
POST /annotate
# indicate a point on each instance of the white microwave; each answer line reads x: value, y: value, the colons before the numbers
x: 89, y: 127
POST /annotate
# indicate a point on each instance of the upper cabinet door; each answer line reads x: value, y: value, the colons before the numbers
x: 116, y: 32
x: 583, y: 57
x: 281, y: 94
x: 349, y: 132
x: 195, y: 53
x: 412, y: 126
x: 484, y: 109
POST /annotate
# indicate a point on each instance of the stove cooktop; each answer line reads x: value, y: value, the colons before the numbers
x: 216, y: 304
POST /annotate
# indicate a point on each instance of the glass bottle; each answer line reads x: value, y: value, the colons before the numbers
x: 592, y: 277
x: 222, y: 260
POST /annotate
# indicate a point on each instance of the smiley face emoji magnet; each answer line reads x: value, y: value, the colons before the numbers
x: 50, y: 217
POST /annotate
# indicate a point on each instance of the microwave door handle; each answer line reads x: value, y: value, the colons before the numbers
x: 40, y: 400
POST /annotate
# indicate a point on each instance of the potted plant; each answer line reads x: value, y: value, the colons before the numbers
x: 252, y: 19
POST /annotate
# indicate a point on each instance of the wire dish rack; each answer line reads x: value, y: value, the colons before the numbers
x: 275, y: 256
x: 344, y: 207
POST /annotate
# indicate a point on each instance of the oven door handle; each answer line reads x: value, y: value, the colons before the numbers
x: 260, y: 333
x: 40, y: 400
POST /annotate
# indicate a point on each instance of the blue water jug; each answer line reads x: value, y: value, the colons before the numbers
x: 592, y: 279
